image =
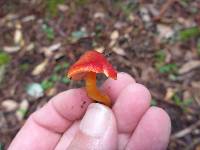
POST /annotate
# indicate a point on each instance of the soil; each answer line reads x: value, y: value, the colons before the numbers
x: 138, y: 49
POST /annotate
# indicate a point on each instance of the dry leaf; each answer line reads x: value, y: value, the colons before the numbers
x: 189, y: 66
x: 100, y: 49
x: 9, y: 105
x: 164, y: 31
x: 99, y: 15
x: 114, y: 35
x: 11, y: 49
x: 40, y: 68
x: 169, y: 94
x: 23, y: 108
x: 119, y: 51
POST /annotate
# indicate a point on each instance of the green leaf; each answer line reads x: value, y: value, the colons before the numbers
x: 22, y: 111
x: 2, y: 72
x: 4, y: 58
x: 24, y: 67
x: 55, y: 78
x: 154, y: 102
x: 1, y: 147
x: 198, y: 46
x: 65, y: 65
x: 48, y: 31
x: 168, y: 68
x: 61, y: 67
x: 160, y: 56
x: 81, y: 2
x: 47, y: 84
x: 189, y: 33
x: 65, y: 80
x: 76, y: 35
x: 52, y: 6
x: 187, y: 102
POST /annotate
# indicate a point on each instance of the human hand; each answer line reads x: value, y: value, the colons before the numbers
x: 69, y: 121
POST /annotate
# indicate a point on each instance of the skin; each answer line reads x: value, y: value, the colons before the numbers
x: 133, y: 124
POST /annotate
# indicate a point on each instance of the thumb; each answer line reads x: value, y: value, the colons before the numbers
x: 97, y: 130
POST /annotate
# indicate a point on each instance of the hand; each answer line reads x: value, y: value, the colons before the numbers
x: 70, y: 121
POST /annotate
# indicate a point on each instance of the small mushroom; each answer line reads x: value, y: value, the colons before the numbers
x: 91, y: 63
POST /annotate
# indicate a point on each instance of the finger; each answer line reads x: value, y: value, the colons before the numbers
x: 152, y: 132
x: 68, y: 136
x: 97, y: 130
x: 130, y: 106
x: 50, y: 121
x: 123, y: 140
x: 114, y: 87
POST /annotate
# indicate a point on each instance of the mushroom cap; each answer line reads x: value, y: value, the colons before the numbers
x: 91, y: 61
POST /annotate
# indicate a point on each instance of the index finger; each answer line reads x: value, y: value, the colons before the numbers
x: 44, y: 128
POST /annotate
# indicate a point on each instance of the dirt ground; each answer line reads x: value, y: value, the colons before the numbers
x: 156, y: 41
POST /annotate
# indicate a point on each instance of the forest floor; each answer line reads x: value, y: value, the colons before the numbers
x: 157, y: 42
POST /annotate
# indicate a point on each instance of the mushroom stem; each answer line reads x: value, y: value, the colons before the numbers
x: 92, y: 90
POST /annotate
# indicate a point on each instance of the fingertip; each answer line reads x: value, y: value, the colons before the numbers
x: 161, y: 116
x: 153, y: 130
x: 114, y: 87
x: 130, y: 106
x: 72, y: 103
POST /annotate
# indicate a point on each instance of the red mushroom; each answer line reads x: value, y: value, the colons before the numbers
x: 91, y: 63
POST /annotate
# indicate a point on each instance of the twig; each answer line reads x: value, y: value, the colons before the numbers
x: 163, y: 9
x: 185, y: 131
x: 193, y: 144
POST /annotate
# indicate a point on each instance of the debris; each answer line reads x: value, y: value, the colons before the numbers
x: 164, y: 8
x: 164, y: 31
x: 9, y: 105
x: 119, y: 51
x: 100, y: 49
x: 2, y: 72
x: 28, y: 18
x: 30, y: 47
x: 11, y: 49
x: 119, y: 25
x: 51, y: 92
x: 99, y: 15
x: 193, y: 64
x: 35, y: 90
x: 22, y: 110
x: 145, y: 14
x: 18, y: 37
x: 40, y: 68
x: 76, y: 35
x: 114, y: 35
x: 185, y: 131
x: 48, y: 51
x: 169, y: 94
x: 54, y: 47
x: 63, y: 7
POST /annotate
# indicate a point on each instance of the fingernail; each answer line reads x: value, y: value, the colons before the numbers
x: 96, y: 120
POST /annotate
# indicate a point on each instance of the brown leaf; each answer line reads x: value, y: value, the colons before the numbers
x: 189, y: 66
